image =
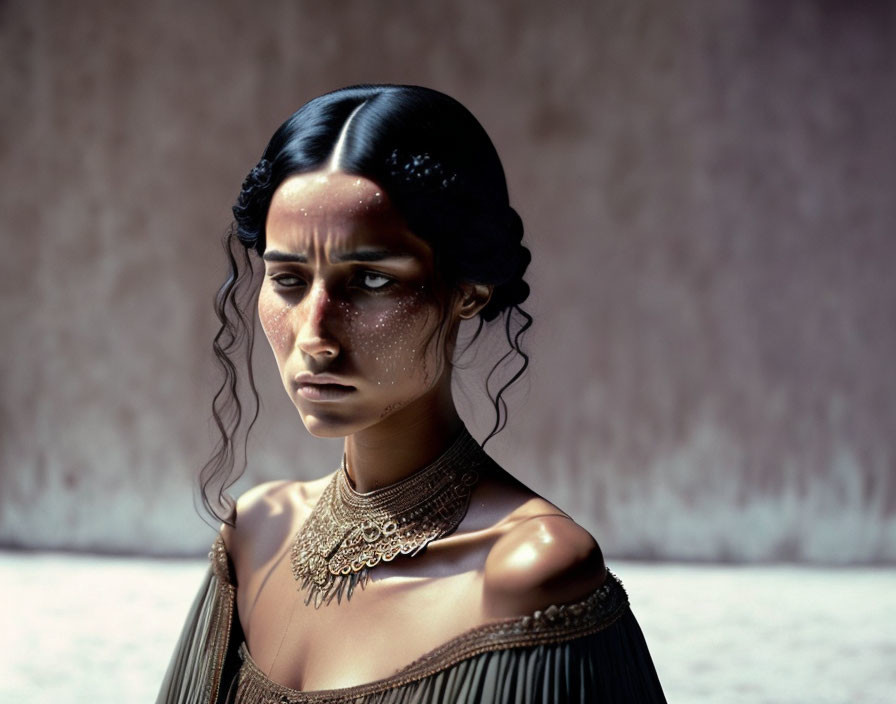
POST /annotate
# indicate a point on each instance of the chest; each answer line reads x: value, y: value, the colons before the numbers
x: 405, y: 609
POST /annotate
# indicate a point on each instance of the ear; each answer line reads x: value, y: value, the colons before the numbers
x: 473, y: 298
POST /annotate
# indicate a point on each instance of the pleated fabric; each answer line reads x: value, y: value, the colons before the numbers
x: 611, y: 664
x: 206, y: 656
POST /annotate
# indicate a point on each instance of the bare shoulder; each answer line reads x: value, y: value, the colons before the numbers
x: 543, y: 558
x: 265, y: 517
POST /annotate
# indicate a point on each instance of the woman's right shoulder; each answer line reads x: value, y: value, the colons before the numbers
x: 267, y: 515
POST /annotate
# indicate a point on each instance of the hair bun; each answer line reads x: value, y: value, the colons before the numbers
x: 515, y: 227
x: 504, y: 297
x: 261, y: 172
x: 513, y: 291
x: 247, y: 210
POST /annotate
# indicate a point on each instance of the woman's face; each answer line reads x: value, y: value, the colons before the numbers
x: 348, y: 303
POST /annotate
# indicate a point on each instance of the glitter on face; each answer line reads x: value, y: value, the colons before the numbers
x: 368, y: 324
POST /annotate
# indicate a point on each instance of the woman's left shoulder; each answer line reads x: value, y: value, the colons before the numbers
x: 543, y: 558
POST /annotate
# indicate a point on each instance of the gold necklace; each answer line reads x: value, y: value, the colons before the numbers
x: 348, y: 533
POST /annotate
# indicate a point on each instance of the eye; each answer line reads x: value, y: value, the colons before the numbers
x: 288, y: 280
x: 374, y: 281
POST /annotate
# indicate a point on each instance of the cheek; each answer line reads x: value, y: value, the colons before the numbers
x: 273, y: 314
x: 393, y: 341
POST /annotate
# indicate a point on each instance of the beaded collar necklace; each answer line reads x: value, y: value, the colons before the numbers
x: 348, y: 533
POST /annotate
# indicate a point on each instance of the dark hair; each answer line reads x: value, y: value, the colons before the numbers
x: 440, y: 170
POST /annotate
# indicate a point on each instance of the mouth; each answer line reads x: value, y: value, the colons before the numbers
x: 321, y: 388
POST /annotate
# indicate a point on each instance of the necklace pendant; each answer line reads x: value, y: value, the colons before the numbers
x: 370, y: 531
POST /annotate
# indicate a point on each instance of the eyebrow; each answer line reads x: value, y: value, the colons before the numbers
x: 361, y: 255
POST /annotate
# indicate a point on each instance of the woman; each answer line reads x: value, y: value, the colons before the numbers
x: 419, y: 570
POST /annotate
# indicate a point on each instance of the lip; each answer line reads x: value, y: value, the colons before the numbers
x: 322, y: 387
x: 309, y: 378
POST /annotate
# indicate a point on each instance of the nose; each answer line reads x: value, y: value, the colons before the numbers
x: 315, y: 338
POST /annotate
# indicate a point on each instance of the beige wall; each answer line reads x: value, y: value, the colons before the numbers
x: 708, y: 190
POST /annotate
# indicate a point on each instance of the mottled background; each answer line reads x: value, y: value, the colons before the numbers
x: 708, y: 191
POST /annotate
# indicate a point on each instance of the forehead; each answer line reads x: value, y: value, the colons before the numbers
x: 335, y: 212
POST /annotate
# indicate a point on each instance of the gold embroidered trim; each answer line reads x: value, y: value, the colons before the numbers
x: 217, y: 636
x: 554, y: 624
x: 221, y: 562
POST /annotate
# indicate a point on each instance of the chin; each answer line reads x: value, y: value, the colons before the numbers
x: 324, y: 430
x: 322, y: 425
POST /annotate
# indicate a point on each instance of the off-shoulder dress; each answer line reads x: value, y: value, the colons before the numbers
x: 589, y: 651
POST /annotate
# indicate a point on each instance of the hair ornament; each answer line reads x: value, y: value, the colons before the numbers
x: 420, y: 170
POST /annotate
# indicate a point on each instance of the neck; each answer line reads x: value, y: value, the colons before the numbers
x: 408, y: 440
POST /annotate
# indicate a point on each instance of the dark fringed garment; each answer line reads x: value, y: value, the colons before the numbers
x: 591, y: 651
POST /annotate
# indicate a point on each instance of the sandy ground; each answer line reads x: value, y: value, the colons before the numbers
x: 89, y: 629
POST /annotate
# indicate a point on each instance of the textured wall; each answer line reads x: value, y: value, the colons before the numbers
x: 708, y: 193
